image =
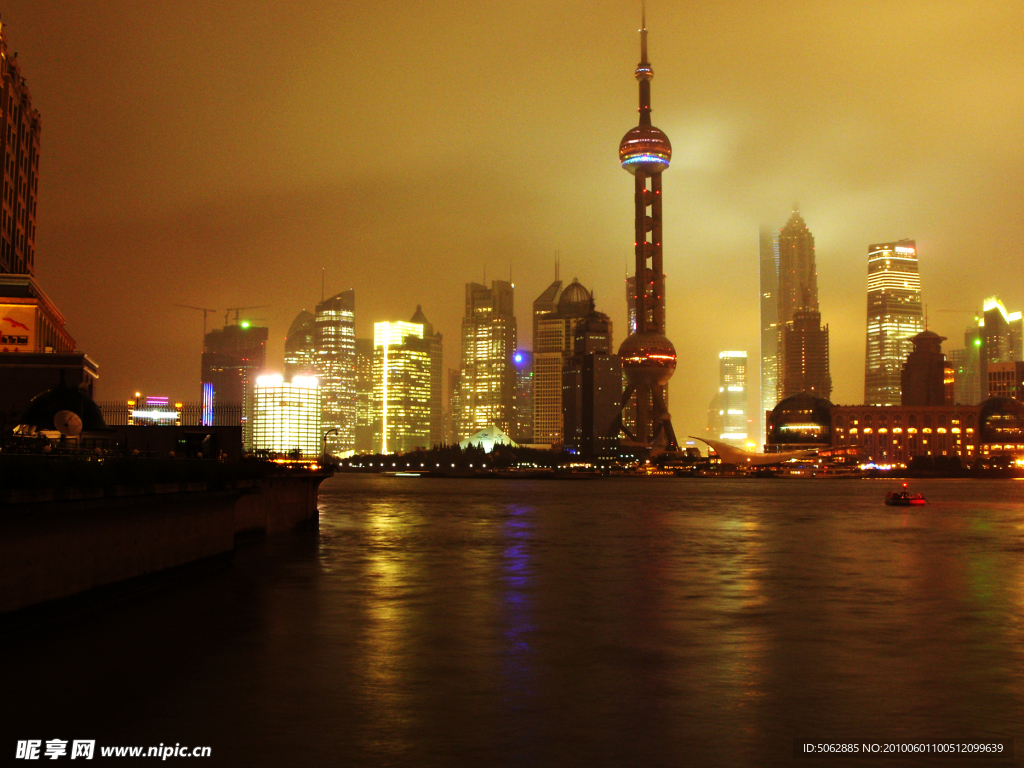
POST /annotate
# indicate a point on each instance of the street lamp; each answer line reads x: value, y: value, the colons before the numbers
x: 323, y: 459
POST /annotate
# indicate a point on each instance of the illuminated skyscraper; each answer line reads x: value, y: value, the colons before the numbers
x: 286, y: 416
x: 554, y: 332
x: 300, y: 346
x: 727, y: 417
x: 805, y: 362
x: 488, y: 379
x: 894, y: 318
x: 648, y: 357
x: 364, y: 396
x: 770, y: 330
x: 335, y: 344
x: 804, y: 365
x: 401, y: 387
x: 435, y: 340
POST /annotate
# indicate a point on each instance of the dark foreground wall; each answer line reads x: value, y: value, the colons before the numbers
x: 55, y: 549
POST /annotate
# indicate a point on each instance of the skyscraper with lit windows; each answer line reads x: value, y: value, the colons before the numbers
x: 770, y: 331
x: 488, y: 379
x: 894, y: 318
x: 727, y: 414
x: 335, y: 360
x: 401, y: 387
x: 286, y: 416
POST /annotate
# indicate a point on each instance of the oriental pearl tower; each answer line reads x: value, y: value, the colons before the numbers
x: 648, y: 357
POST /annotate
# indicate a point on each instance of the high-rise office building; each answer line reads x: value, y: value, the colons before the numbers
x: 592, y: 391
x: 770, y: 331
x: 488, y: 378
x: 648, y: 357
x: 805, y: 362
x: 894, y: 318
x: 802, y: 358
x: 233, y: 356
x: 286, y: 416
x: 453, y: 402
x: 727, y: 414
x: 1006, y: 379
x: 335, y: 344
x: 300, y: 346
x: 401, y: 387
x: 436, y: 342
x: 365, y: 417
x: 522, y: 423
x: 19, y: 145
x: 554, y: 331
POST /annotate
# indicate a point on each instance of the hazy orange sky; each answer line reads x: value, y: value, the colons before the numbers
x: 222, y: 154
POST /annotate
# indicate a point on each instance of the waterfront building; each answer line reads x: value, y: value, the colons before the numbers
x: 893, y: 435
x: 300, y: 346
x: 727, y: 413
x: 805, y: 358
x: 488, y: 376
x: 554, y: 332
x: 894, y: 318
x: 770, y: 329
x: 402, y: 371
x: 453, y: 415
x: 925, y: 378
x: 286, y: 416
x: 436, y: 343
x: 364, y: 396
x: 335, y: 356
x: 648, y: 357
x: 592, y: 391
x: 1006, y: 379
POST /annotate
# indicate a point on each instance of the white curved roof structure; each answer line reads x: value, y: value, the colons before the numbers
x: 732, y: 455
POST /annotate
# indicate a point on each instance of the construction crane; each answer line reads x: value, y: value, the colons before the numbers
x: 236, y: 310
x: 204, y: 310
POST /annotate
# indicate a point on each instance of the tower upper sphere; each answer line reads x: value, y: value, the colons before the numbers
x: 645, y: 148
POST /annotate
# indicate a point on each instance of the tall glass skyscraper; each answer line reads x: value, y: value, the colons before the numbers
x: 335, y: 361
x: 894, y: 318
x: 727, y: 415
x: 769, y: 242
x: 402, y: 368
x: 488, y: 379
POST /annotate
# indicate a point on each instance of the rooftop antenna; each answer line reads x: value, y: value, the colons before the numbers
x: 558, y: 264
x: 323, y: 278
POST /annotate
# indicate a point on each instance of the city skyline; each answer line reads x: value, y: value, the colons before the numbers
x: 177, y: 212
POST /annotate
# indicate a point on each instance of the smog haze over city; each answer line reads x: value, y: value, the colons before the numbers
x: 230, y: 154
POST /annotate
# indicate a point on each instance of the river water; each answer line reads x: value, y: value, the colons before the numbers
x: 614, y: 622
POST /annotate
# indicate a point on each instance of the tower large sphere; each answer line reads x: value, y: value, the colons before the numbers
x: 648, y: 358
x: 645, y: 148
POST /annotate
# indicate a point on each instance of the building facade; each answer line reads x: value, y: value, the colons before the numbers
x: 769, y: 355
x: 488, y: 378
x: 19, y: 146
x: 727, y: 413
x: 335, y: 344
x: 894, y: 318
x: 365, y: 417
x: 286, y: 416
x: 554, y: 334
x: 402, y: 372
x: 436, y: 343
x: 806, y: 356
x: 592, y: 391
x: 522, y: 425
x: 233, y: 357
x: 926, y: 379
x: 300, y: 346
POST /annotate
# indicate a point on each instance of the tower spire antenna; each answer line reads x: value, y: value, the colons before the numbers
x: 643, y: 32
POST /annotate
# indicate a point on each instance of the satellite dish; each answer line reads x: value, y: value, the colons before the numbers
x: 67, y: 423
